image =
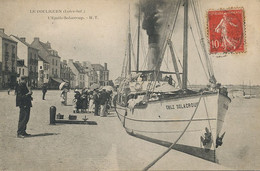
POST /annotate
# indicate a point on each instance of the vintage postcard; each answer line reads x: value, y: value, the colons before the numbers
x: 129, y: 85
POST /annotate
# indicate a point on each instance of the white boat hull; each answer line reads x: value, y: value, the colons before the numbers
x: 166, y: 120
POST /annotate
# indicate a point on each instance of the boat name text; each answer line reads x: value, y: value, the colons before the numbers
x: 181, y: 106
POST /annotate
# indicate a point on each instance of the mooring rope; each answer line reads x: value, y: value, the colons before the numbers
x: 164, y: 153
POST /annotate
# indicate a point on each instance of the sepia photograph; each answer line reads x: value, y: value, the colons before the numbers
x: 129, y: 85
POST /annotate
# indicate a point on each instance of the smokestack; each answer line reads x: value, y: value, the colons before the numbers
x: 2, y: 30
x: 154, y: 13
x: 23, y: 39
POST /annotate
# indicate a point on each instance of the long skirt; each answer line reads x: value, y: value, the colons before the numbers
x: 91, y: 105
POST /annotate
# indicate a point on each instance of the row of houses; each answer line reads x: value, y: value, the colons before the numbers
x: 43, y: 65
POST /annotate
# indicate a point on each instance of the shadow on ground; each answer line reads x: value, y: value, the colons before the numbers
x: 42, y: 134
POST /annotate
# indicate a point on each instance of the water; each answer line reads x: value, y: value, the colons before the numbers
x: 241, y: 149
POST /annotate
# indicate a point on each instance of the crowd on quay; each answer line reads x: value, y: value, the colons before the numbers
x: 96, y: 101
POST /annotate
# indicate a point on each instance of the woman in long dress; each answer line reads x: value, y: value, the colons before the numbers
x: 91, y: 102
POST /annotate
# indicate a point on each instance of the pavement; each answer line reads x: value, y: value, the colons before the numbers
x: 105, y: 146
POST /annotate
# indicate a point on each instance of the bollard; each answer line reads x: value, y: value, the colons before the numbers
x: 52, y: 115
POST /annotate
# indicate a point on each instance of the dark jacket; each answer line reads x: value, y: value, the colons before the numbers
x: 96, y: 99
x: 22, y: 99
x: 44, y: 88
x: 103, y: 97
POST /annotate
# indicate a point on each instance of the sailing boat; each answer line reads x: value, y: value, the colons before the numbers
x: 250, y: 95
x: 151, y: 108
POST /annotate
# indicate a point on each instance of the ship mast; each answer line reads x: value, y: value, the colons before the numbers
x: 138, y: 37
x: 129, y: 45
x: 185, y: 46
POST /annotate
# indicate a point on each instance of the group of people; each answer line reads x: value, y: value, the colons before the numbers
x: 96, y: 101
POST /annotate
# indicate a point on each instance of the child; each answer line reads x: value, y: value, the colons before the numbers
x: 75, y: 105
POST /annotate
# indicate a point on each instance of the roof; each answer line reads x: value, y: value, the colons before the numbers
x: 97, y: 67
x: 3, y: 35
x: 39, y: 57
x: 27, y: 44
x: 79, y: 68
x: 48, y: 48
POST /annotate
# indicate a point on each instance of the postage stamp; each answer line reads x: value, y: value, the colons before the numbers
x: 226, y: 31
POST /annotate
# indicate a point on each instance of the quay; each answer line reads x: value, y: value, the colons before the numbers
x: 104, y: 146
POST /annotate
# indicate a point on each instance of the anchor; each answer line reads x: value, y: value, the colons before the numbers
x: 219, y: 140
x: 207, y: 139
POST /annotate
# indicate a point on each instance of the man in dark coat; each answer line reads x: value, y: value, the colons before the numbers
x: 23, y: 101
x: 96, y: 102
x: 44, y: 90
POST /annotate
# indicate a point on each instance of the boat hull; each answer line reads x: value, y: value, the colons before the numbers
x: 164, y: 121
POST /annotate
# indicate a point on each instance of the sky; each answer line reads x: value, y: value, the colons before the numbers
x: 104, y: 38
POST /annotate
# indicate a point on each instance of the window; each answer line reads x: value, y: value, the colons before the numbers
x: 40, y: 67
x: 19, y: 70
x: 56, y: 71
x: 23, y: 71
x: 56, y: 62
x: 52, y: 61
x: 47, y: 76
x: 30, y: 68
x: 52, y: 71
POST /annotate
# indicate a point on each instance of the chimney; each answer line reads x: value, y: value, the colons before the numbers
x: 70, y: 60
x: 23, y: 39
x: 105, y: 65
x: 37, y: 39
x: 84, y: 63
x: 48, y: 44
x: 77, y: 62
x: 65, y: 61
x: 2, y: 30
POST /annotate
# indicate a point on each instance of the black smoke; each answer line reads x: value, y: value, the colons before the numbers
x: 153, y: 17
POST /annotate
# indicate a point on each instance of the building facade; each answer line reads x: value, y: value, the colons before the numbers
x: 51, y: 56
x: 102, y: 74
x: 22, y: 70
x: 30, y: 56
x: 79, y: 72
x: 66, y: 74
x: 43, y: 71
x: 8, y: 60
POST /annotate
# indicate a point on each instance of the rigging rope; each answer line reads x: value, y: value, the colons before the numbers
x: 198, y: 53
x: 169, y: 149
x: 157, y: 67
x: 208, y: 62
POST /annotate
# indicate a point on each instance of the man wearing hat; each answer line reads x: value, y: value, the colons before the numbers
x: 23, y: 101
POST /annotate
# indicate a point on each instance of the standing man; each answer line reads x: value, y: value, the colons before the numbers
x: 23, y: 101
x: 44, y: 90
x: 96, y: 102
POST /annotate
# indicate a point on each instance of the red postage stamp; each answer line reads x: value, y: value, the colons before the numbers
x: 226, y: 31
